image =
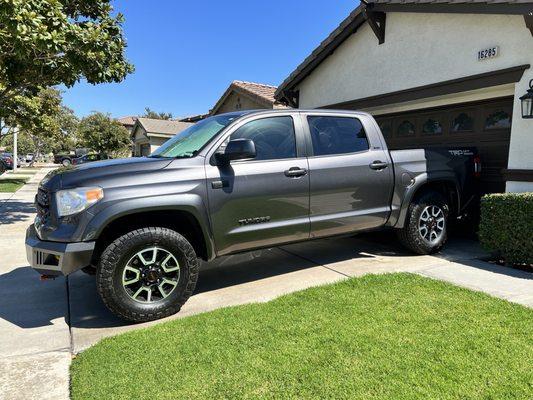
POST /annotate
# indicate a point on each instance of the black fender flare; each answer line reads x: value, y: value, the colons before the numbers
x: 188, y: 203
x: 399, y: 213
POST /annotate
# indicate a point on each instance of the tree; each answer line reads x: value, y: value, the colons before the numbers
x: 105, y: 135
x: 68, y: 131
x: 44, y: 43
x: 148, y: 113
x: 25, y: 144
x: 45, y: 124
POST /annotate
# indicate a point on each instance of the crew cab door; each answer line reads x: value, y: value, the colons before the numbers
x: 263, y: 201
x: 351, y: 177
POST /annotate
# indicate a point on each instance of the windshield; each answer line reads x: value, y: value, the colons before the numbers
x: 190, y: 141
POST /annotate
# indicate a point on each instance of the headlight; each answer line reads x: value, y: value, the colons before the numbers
x: 73, y: 201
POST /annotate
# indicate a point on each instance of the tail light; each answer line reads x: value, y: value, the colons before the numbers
x: 477, y: 166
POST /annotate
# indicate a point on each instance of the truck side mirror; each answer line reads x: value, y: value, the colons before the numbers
x: 237, y: 149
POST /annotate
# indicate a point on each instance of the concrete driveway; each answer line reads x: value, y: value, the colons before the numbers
x: 267, y: 274
x: 43, y: 323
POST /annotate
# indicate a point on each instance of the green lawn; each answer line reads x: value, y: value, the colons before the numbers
x: 10, y: 185
x: 396, y: 336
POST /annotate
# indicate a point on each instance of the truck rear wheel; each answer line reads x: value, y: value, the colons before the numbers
x: 425, y: 229
x: 147, y: 274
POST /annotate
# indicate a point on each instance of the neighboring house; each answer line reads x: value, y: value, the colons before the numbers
x: 242, y: 95
x: 148, y: 134
x: 432, y: 73
x: 128, y: 122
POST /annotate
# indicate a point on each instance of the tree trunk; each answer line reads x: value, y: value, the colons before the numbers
x: 37, y: 143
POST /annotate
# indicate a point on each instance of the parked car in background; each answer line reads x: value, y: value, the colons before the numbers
x: 7, y: 158
x: 237, y: 182
x: 67, y: 157
x: 89, y: 158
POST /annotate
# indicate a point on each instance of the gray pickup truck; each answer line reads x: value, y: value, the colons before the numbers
x: 236, y: 182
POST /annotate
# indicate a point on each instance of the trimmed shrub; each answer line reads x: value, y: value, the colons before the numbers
x: 506, y: 226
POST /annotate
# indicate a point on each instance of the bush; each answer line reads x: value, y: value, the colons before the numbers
x: 506, y: 226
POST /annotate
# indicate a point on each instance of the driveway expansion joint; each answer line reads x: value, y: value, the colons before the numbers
x: 314, y: 262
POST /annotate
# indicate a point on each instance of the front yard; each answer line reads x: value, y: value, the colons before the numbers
x: 10, y: 185
x: 388, y: 336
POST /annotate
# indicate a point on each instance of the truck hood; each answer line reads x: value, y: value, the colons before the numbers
x: 91, y: 173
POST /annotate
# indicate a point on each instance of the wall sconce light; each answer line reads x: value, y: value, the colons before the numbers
x: 527, y: 102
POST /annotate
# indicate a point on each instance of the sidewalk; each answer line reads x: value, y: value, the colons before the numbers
x: 35, y: 345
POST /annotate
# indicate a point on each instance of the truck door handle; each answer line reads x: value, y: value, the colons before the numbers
x: 377, y: 165
x: 295, y: 172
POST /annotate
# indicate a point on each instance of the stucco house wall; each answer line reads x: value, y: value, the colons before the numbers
x: 422, y: 49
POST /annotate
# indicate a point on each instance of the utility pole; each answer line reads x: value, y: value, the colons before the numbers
x: 15, y: 149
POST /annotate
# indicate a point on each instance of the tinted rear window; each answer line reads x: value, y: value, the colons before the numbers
x: 337, y: 135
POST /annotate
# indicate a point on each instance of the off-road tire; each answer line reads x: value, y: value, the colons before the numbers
x: 113, y: 261
x: 410, y: 236
x: 66, y: 162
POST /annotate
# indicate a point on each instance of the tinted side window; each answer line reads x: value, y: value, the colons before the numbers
x: 274, y: 137
x: 337, y: 135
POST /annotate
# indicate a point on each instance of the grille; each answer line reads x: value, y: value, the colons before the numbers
x: 42, y: 204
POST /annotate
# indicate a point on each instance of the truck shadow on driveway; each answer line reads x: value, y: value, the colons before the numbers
x: 29, y: 303
x: 224, y: 282
x: 250, y: 277
x: 12, y: 211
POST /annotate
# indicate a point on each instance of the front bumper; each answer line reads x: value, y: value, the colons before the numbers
x: 56, y: 258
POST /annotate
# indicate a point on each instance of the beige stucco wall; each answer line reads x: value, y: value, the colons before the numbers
x: 155, y: 142
x: 141, y: 138
x: 421, y: 49
x: 236, y: 101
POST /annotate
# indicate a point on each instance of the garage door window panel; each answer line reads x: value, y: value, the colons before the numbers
x: 337, y: 135
x: 463, y: 122
x: 406, y: 128
x: 432, y: 125
x: 498, y: 119
x: 274, y: 137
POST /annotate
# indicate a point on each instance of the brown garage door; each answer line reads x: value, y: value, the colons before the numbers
x: 485, y: 125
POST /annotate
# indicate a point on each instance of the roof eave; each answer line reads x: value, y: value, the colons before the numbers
x: 456, y: 8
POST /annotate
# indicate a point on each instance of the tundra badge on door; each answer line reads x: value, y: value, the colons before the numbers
x: 255, y: 220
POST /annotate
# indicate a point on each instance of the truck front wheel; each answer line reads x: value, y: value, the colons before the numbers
x: 425, y: 229
x: 147, y: 274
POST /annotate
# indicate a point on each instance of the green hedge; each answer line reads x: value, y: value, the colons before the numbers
x: 506, y: 226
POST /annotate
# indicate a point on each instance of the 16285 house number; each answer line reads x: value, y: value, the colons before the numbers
x: 491, y: 52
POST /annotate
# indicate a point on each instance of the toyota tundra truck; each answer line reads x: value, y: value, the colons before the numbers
x: 236, y: 182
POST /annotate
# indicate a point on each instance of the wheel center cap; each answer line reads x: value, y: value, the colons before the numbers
x: 152, y: 275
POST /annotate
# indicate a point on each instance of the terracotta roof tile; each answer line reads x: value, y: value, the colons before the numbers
x: 128, y: 120
x: 266, y: 92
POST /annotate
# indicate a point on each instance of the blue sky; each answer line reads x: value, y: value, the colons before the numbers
x: 186, y: 53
